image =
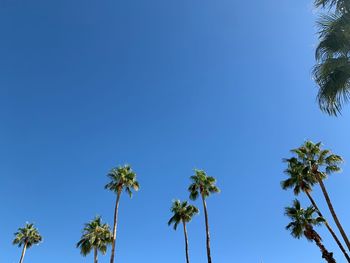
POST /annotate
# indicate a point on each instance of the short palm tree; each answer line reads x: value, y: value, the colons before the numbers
x: 332, y: 71
x: 96, y: 236
x: 303, y: 223
x: 121, y: 178
x: 203, y: 185
x: 27, y: 237
x: 183, y: 213
x: 319, y: 164
x: 300, y: 180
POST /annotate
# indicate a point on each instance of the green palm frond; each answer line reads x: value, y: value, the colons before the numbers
x: 182, y: 213
x: 95, y: 235
x: 28, y: 235
x: 302, y: 219
x: 122, y: 177
x: 202, y: 184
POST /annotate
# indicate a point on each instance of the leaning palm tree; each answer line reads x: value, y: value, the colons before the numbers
x: 332, y: 70
x: 27, y: 237
x: 300, y: 180
x: 182, y: 213
x: 96, y: 236
x: 121, y: 178
x: 203, y: 185
x: 303, y: 224
x: 319, y: 164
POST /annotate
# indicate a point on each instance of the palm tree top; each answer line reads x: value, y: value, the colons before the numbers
x: 299, y: 177
x: 28, y: 235
x: 95, y: 235
x: 302, y: 219
x: 182, y: 212
x: 122, y: 177
x: 202, y: 184
x: 323, y: 161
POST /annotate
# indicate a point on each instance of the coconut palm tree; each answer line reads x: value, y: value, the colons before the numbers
x: 182, y: 213
x: 332, y: 70
x: 319, y: 164
x: 96, y: 236
x: 203, y: 185
x: 303, y: 223
x: 300, y: 180
x: 27, y: 237
x: 121, y: 178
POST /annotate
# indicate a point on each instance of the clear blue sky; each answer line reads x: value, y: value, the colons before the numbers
x: 166, y: 86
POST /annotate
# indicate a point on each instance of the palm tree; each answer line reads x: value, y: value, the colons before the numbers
x: 182, y: 213
x: 302, y: 225
x: 96, y: 236
x: 332, y: 70
x: 319, y: 164
x: 121, y: 178
x: 27, y: 237
x: 203, y: 185
x: 301, y: 181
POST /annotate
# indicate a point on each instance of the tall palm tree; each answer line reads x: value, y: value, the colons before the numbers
x: 182, y: 213
x: 303, y: 224
x: 27, y: 237
x: 121, y: 178
x: 332, y: 69
x: 203, y: 185
x: 300, y: 180
x: 319, y: 164
x: 96, y: 236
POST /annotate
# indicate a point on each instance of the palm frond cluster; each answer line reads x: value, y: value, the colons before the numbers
x: 332, y: 69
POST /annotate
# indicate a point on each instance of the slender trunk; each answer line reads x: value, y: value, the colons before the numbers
x: 115, y: 226
x: 23, y: 253
x: 186, y: 243
x: 331, y: 209
x: 95, y: 255
x: 207, y: 228
x: 329, y: 227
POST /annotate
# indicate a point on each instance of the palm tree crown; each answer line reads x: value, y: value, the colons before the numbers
x: 299, y: 178
x: 316, y: 160
x: 182, y: 213
x: 95, y: 235
x: 121, y: 178
x: 28, y: 236
x: 302, y: 220
x: 202, y: 184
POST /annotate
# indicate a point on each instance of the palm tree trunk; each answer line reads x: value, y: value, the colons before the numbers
x: 186, y: 243
x: 115, y: 226
x: 328, y: 256
x: 23, y: 253
x: 207, y: 228
x: 331, y: 209
x: 95, y: 255
x: 329, y: 227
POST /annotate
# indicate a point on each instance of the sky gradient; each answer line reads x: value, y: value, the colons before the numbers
x: 166, y: 86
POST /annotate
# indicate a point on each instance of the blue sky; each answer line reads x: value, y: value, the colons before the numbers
x: 166, y: 86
